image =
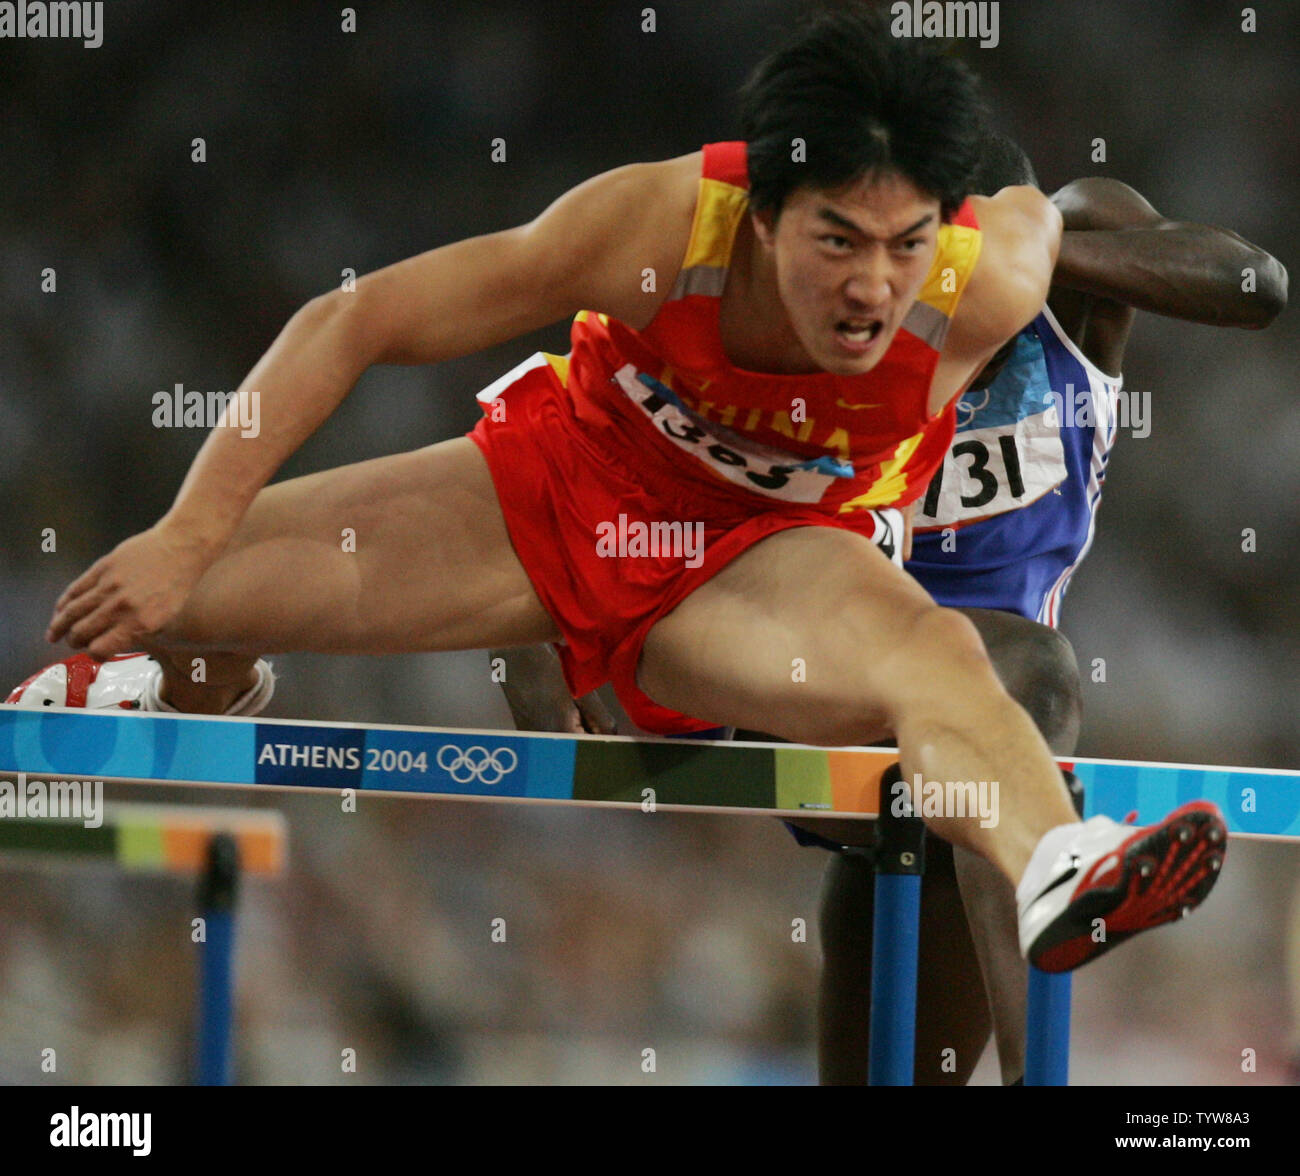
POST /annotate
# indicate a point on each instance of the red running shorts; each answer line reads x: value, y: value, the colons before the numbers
x: 577, y: 492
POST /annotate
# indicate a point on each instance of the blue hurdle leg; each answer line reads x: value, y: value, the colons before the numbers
x: 1047, y: 1033
x: 896, y: 937
x: 1047, y: 1019
x: 218, y: 888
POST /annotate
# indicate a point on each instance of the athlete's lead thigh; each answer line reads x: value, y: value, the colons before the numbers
x: 798, y: 636
x: 402, y: 553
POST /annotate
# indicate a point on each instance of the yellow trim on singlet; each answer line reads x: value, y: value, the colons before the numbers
x: 959, y: 250
x: 887, y: 488
x: 717, y: 213
x: 560, y: 364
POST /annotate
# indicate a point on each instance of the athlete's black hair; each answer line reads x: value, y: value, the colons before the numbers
x: 1003, y: 162
x: 861, y: 100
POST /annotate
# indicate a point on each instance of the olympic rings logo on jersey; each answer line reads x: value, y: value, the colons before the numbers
x: 476, y: 763
x: 967, y: 408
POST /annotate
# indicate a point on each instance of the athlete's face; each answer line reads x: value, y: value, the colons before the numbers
x: 850, y: 264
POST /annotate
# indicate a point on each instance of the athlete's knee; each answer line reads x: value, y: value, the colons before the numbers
x: 935, y: 664
x: 1038, y: 667
x: 938, y: 653
x: 945, y: 685
x: 1053, y: 696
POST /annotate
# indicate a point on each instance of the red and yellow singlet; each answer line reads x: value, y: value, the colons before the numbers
x: 844, y: 443
x: 655, y: 428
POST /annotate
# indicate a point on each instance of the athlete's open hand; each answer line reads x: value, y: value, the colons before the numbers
x: 129, y: 594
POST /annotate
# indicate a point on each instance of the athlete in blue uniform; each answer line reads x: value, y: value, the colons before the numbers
x: 1000, y: 532
x: 1010, y: 516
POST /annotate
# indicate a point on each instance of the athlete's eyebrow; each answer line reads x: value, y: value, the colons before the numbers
x: 843, y: 222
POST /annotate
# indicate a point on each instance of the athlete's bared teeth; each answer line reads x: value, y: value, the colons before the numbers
x: 859, y: 334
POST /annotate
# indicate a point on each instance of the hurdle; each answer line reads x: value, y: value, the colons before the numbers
x: 597, y: 771
x: 214, y: 845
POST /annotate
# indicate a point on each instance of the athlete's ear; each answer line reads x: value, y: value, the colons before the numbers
x: 765, y: 226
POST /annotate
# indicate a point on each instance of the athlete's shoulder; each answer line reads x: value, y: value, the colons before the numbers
x: 1016, y: 219
x: 679, y: 174
x: 1021, y: 231
x: 651, y: 190
x: 604, y: 233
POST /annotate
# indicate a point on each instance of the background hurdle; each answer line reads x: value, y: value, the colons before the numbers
x: 585, y: 770
x: 215, y: 844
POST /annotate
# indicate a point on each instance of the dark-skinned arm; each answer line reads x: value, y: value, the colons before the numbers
x: 1118, y: 247
x: 538, y: 697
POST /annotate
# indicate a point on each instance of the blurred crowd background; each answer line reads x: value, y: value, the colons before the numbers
x: 329, y: 150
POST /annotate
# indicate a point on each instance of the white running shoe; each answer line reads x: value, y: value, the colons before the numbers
x: 1090, y: 886
x: 129, y: 680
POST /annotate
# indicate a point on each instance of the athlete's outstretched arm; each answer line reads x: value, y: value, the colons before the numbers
x: 587, y: 251
x: 445, y: 303
x: 1117, y: 246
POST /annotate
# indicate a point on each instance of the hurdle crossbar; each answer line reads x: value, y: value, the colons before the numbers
x: 606, y: 771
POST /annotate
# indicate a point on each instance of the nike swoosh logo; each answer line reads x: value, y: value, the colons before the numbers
x: 842, y: 403
x: 1061, y: 881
